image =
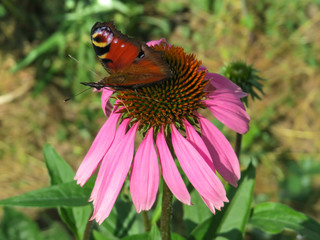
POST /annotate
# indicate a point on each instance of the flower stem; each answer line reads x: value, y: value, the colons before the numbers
x: 165, y: 221
x: 146, y: 221
x: 238, y: 145
x: 87, y: 231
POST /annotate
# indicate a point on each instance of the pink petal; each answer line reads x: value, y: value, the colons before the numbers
x: 229, y: 111
x: 213, y: 206
x: 209, y: 205
x: 197, y: 170
x: 105, y: 104
x: 120, y: 133
x: 118, y: 161
x: 170, y: 171
x: 223, y: 156
x: 157, y: 42
x: 98, y: 149
x: 144, y: 179
x: 235, y: 118
x: 198, y: 143
x: 226, y: 93
x: 219, y: 81
x: 108, y: 109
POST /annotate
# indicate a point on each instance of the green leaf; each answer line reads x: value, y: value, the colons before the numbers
x: 175, y: 236
x: 88, y: 11
x: 206, y: 230
x: 82, y: 216
x: 154, y: 233
x: 63, y: 195
x: 275, y: 217
x: 237, y: 214
x: 100, y: 236
x: 142, y: 236
x: 66, y: 215
x: 56, y: 231
x: 230, y: 223
x: 59, y: 170
x: 157, y: 210
x: 196, y: 213
x: 123, y: 220
x: 17, y: 226
x: 51, y: 43
x: 76, y: 219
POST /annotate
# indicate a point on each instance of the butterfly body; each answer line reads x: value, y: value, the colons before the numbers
x: 130, y: 63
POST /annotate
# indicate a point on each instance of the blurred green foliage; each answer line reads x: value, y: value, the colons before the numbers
x: 41, y: 35
x: 53, y: 30
x: 285, y: 22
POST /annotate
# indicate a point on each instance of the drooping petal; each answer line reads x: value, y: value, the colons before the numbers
x: 198, y: 143
x: 209, y: 205
x: 105, y: 104
x: 212, y: 205
x: 170, y: 171
x: 226, y: 93
x: 219, y: 82
x: 98, y: 149
x: 144, y: 179
x: 222, y: 153
x: 232, y: 116
x: 120, y: 133
x: 118, y: 161
x: 197, y: 170
x: 230, y: 111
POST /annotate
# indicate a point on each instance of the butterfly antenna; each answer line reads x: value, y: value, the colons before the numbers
x: 90, y: 70
x: 69, y: 98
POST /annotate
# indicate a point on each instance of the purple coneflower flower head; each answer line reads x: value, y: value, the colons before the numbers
x: 166, y: 116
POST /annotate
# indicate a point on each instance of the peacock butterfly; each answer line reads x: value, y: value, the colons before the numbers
x: 130, y: 63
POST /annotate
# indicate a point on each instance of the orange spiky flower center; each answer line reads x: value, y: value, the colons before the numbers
x: 171, y: 100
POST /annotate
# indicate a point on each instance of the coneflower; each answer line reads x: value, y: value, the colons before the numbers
x: 166, y: 116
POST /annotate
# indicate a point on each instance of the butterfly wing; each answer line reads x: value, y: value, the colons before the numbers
x: 115, y: 50
x: 131, y: 63
x: 146, y: 69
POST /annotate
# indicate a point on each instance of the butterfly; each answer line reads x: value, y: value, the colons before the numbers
x: 130, y: 62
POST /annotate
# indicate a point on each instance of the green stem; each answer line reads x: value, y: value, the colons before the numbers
x: 146, y: 221
x: 165, y: 221
x: 238, y: 145
x: 87, y: 231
